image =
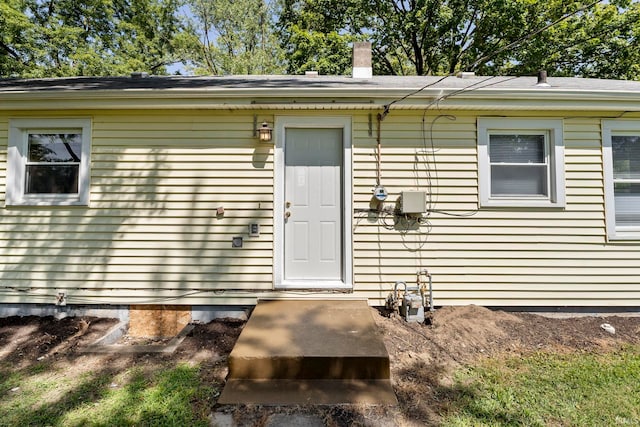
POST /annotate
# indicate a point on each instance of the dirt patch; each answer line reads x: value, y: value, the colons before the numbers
x: 459, y: 335
x: 27, y: 339
x: 423, y: 357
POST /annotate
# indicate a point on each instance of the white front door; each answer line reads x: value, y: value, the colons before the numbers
x: 313, y: 223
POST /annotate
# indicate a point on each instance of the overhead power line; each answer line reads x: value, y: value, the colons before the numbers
x: 387, y: 107
x: 533, y: 34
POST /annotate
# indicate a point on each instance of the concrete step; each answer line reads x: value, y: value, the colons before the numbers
x: 309, y: 351
x: 307, y: 392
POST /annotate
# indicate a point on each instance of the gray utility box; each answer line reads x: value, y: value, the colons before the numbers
x: 413, y: 202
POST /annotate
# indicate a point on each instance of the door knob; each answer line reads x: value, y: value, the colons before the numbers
x: 287, y: 214
x: 287, y: 205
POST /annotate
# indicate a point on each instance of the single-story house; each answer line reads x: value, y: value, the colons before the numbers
x: 509, y: 191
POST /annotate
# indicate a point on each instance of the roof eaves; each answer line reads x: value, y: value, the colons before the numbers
x: 375, y: 97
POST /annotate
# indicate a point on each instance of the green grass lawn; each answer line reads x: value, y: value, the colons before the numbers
x: 160, y: 396
x: 539, y: 390
x: 549, y: 389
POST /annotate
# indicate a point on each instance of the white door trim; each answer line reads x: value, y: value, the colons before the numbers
x: 281, y: 124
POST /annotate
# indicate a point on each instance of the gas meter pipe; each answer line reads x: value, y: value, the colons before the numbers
x: 426, y: 273
x: 379, y: 149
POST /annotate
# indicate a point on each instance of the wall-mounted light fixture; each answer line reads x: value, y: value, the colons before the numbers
x: 264, y: 132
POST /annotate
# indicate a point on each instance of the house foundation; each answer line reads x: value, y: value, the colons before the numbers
x: 199, y: 313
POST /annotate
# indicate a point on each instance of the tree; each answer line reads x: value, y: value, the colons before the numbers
x: 487, y: 36
x: 16, y: 28
x: 89, y: 37
x: 46, y: 38
x: 313, y: 34
x: 236, y: 37
x: 602, y: 42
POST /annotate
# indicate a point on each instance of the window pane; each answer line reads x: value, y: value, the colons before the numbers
x: 627, y: 199
x: 52, y: 179
x: 519, y: 180
x: 626, y: 156
x: 59, y: 147
x: 516, y: 148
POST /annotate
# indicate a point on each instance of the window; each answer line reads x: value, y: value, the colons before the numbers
x: 48, y: 162
x: 521, y: 162
x: 621, y: 144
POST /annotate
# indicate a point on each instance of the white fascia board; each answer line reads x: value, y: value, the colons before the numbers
x: 229, y: 98
x: 329, y: 92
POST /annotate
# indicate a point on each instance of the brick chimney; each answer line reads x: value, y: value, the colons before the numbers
x: 362, y: 60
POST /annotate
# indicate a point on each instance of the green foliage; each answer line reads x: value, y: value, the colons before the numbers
x: 326, y: 53
x: 487, y: 36
x: 236, y: 37
x: 89, y: 37
x: 314, y: 35
x: 49, y: 38
x: 17, y: 29
x: 548, y: 389
x: 592, y: 43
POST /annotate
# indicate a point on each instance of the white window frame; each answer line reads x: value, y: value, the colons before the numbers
x: 554, y: 154
x: 17, y: 156
x: 609, y: 129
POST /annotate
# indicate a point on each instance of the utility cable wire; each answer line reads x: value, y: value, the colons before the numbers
x: 470, y: 88
x: 385, y: 216
x: 484, y: 58
x: 382, y: 215
x: 533, y: 34
x: 433, y: 195
x: 387, y: 107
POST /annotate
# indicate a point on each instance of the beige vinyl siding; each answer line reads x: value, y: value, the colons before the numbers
x: 151, y: 231
x: 501, y: 256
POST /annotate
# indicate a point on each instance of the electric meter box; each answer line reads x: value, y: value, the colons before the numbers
x: 413, y: 202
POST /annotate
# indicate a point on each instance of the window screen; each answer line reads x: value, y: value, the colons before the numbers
x: 518, y: 165
x: 626, y: 179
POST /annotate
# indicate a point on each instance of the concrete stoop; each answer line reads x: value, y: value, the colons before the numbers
x: 309, y: 352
